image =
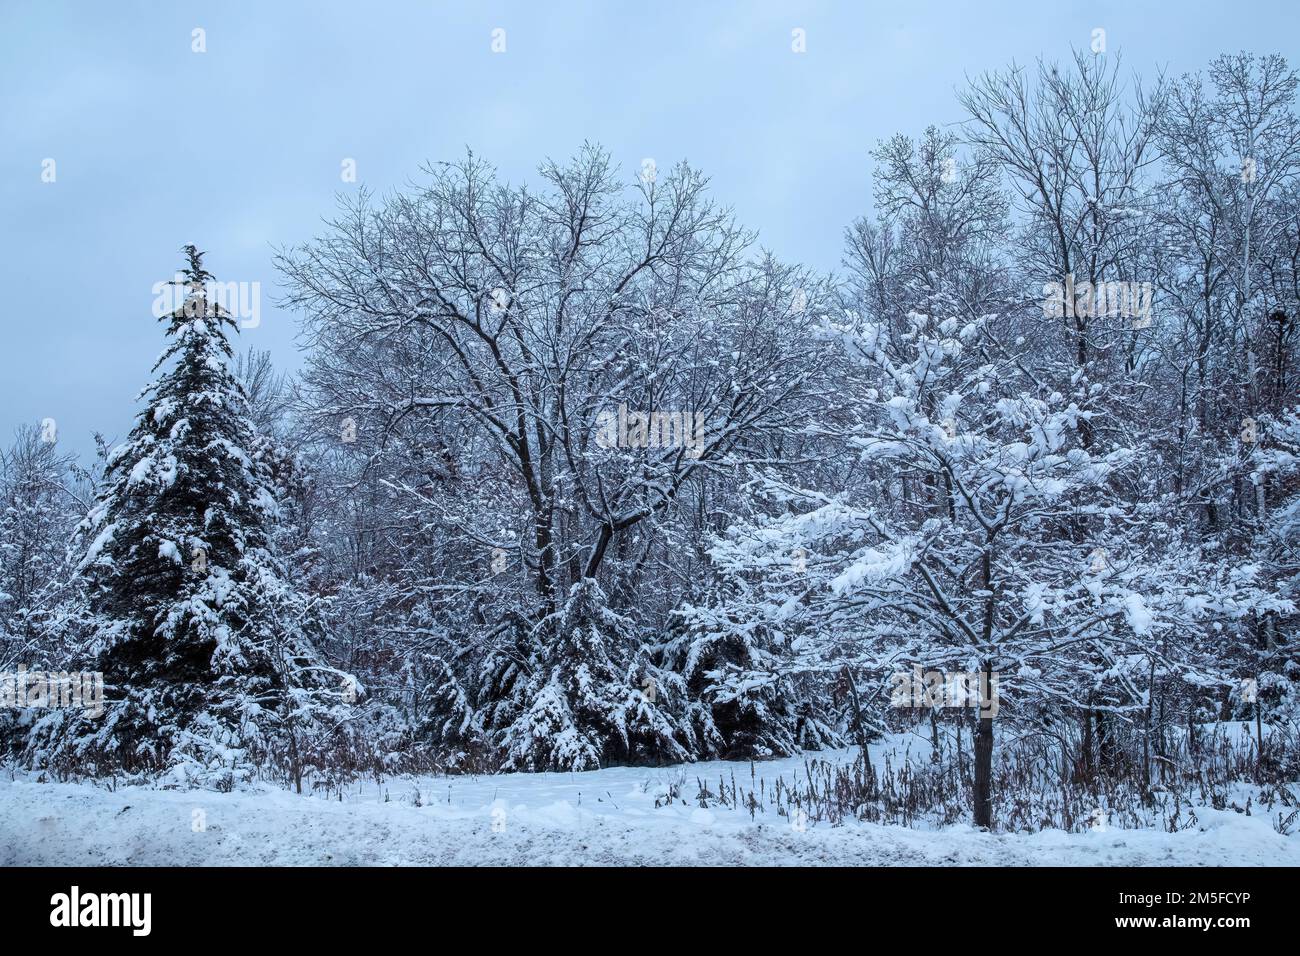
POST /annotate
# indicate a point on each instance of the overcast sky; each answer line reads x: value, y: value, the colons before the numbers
x: 239, y: 149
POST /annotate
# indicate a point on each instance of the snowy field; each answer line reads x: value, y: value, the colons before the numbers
x: 604, y: 817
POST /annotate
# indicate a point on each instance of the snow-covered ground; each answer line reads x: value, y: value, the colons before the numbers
x: 601, y: 817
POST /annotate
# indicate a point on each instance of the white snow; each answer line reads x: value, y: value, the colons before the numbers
x: 600, y: 817
x: 1135, y: 611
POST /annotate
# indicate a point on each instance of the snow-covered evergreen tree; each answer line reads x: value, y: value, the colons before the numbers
x: 748, y: 695
x: 205, y: 645
x: 587, y: 696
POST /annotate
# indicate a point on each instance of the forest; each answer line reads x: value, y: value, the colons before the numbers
x: 575, y: 474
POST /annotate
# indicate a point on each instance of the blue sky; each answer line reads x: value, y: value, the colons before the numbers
x: 238, y: 149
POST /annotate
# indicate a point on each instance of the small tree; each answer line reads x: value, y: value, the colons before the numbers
x: 1010, y: 566
x: 37, y: 512
x: 575, y: 702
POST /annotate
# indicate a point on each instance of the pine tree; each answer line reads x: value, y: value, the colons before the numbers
x: 205, y: 647
x: 589, y: 696
x: 745, y: 699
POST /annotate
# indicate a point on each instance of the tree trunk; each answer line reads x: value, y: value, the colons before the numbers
x: 984, y: 760
x: 984, y: 729
x: 858, y: 730
x: 1107, y: 744
x: 1162, y: 751
x: 961, y: 758
x: 984, y: 772
x: 295, y: 764
x: 1085, y: 764
x: 1259, y: 738
x: 1146, y: 732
